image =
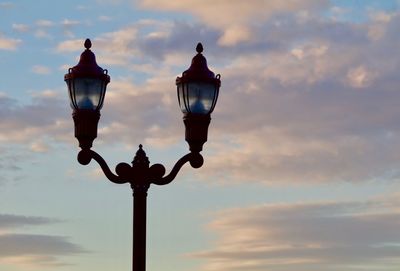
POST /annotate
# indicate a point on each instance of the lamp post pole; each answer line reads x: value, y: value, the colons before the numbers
x: 139, y: 229
x: 139, y: 215
x: 197, y: 92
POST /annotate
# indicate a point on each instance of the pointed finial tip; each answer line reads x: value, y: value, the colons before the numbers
x: 199, y: 48
x: 140, y: 146
x: 88, y: 44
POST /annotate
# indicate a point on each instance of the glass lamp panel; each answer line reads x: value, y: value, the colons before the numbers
x: 88, y: 93
x: 181, y: 97
x: 200, y: 97
x: 70, y: 93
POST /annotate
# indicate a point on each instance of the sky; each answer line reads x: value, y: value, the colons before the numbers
x: 302, y: 163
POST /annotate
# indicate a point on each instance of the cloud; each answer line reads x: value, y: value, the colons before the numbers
x: 104, y: 18
x: 145, y: 46
x: 291, y: 107
x: 67, y: 26
x: 44, y: 23
x: 70, y: 46
x: 39, y: 146
x: 238, y: 17
x: 6, y: 5
x: 379, y: 22
x: 295, y: 113
x: 109, y: 2
x: 8, y: 43
x: 69, y: 23
x: 21, y: 27
x: 10, y: 165
x: 43, y: 27
x: 306, y: 236
x: 45, y: 118
x: 42, y: 34
x: 35, y: 249
x: 8, y: 221
x: 32, y: 249
x: 39, y: 69
x: 360, y: 77
x: 113, y: 48
x: 159, y: 120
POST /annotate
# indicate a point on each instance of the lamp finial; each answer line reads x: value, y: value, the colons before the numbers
x: 199, y: 48
x: 88, y: 44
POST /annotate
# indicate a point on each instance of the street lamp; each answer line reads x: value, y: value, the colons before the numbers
x: 197, y: 91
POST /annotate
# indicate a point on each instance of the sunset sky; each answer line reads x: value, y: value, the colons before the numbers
x: 302, y: 163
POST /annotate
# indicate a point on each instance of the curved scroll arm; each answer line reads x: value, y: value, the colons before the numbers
x: 84, y: 158
x: 195, y: 160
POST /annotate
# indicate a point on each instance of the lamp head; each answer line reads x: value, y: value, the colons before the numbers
x: 197, y: 90
x: 87, y: 83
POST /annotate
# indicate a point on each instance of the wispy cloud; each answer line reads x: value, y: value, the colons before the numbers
x: 28, y: 123
x: 238, y: 16
x: 8, y: 43
x: 9, y: 221
x: 306, y: 236
x: 40, y: 69
x: 32, y: 249
x: 104, y: 18
x: 6, y: 5
x: 39, y: 146
x: 70, y: 45
x: 69, y: 23
x: 35, y: 249
x: 298, y: 103
x: 302, y: 115
x: 21, y: 27
x: 44, y: 23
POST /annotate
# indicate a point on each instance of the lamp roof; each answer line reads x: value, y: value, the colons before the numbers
x: 198, y: 70
x: 87, y: 66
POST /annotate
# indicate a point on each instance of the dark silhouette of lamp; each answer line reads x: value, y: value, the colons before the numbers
x: 197, y: 89
x: 87, y: 83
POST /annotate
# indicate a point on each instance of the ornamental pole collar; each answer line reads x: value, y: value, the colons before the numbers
x: 140, y: 157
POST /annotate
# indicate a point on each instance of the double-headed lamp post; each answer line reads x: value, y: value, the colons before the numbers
x: 197, y: 91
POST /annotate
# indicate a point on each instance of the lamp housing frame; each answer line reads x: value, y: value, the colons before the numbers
x: 87, y: 68
x: 196, y: 124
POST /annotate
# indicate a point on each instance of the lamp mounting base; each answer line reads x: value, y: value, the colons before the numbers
x: 196, y: 130
x: 86, y: 122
